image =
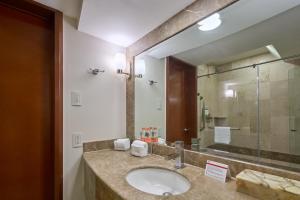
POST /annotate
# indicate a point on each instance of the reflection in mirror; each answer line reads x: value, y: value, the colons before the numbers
x: 232, y: 91
x: 150, y: 98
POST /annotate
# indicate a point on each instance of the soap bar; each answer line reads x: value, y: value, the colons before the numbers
x: 266, y: 186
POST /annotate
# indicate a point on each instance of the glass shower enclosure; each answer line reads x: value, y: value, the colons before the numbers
x: 259, y: 102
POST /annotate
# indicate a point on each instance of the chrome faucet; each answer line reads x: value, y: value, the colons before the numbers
x: 178, y: 155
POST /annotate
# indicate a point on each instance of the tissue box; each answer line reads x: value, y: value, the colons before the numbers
x: 266, y: 186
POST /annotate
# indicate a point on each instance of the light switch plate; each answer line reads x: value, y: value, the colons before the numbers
x: 76, y: 98
x: 76, y: 140
x: 158, y: 104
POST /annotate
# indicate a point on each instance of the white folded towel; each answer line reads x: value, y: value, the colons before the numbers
x: 122, y: 144
x: 139, y: 148
x: 222, y: 135
x: 139, y: 143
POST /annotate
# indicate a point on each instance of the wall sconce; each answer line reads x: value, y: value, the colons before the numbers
x: 140, y: 68
x: 95, y: 71
x: 152, y: 82
x: 120, y: 64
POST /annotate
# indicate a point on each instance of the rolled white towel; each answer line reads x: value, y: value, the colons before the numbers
x: 122, y: 144
x: 139, y: 143
x: 139, y: 148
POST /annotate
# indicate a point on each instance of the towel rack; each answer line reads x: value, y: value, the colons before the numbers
x: 231, y: 128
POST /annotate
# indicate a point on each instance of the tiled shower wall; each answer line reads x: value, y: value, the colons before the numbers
x: 231, y: 99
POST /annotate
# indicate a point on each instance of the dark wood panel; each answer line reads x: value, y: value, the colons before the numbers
x: 181, y: 101
x: 58, y: 102
x: 31, y: 101
x: 31, y: 7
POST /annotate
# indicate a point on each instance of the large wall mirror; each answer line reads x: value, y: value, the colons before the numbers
x: 228, y: 85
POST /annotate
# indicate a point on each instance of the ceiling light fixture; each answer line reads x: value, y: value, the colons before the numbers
x: 210, y: 23
x: 273, y: 51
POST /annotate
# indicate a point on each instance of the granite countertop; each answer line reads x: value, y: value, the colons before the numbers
x: 112, y: 167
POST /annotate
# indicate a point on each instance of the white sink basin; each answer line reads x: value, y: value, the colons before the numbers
x: 158, y: 181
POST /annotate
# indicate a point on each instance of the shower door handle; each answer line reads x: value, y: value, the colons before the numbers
x: 186, y: 129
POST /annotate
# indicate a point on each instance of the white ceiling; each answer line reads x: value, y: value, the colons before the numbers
x: 235, y: 57
x: 280, y: 31
x: 123, y: 22
x: 245, y: 27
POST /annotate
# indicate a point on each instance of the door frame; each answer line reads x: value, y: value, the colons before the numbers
x: 56, y: 19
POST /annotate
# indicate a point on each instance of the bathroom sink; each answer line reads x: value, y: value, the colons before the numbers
x: 158, y: 181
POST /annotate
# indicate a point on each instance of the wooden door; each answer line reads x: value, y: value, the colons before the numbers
x: 28, y: 104
x: 181, y: 103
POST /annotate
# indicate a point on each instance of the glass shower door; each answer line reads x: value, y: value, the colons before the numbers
x: 294, y: 110
x: 229, y: 100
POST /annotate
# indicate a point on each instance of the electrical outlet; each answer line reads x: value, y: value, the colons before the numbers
x: 76, y: 140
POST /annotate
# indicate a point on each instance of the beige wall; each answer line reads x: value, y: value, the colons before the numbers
x: 102, y: 115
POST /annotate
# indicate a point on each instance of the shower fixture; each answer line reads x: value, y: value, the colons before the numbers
x: 202, y: 107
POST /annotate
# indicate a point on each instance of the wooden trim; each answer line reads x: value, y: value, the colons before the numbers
x: 167, y: 96
x: 58, y: 113
x: 32, y: 7
x: 56, y: 18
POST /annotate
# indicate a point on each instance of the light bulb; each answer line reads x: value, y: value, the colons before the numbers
x: 210, y: 23
x: 120, y: 61
x: 140, y: 67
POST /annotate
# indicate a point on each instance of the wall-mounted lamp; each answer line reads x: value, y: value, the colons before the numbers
x: 151, y: 82
x: 140, y: 68
x: 120, y: 64
x: 95, y: 71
